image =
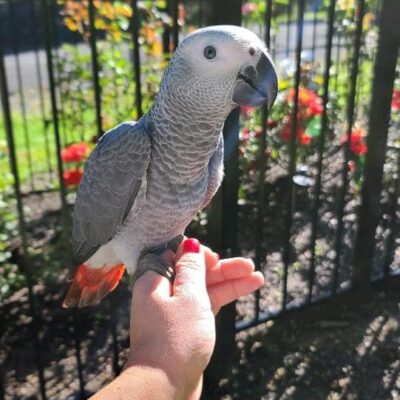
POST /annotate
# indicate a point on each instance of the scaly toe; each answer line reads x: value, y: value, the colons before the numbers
x: 153, y: 262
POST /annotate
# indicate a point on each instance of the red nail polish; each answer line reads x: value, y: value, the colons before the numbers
x: 191, y: 246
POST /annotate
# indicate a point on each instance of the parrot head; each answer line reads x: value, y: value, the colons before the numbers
x: 222, y: 66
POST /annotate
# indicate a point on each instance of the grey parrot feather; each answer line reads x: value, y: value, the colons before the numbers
x: 215, y: 172
x: 109, y: 187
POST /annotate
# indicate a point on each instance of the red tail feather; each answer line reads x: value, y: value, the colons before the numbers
x: 90, y: 285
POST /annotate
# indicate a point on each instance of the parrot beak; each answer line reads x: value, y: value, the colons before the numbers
x: 256, y: 85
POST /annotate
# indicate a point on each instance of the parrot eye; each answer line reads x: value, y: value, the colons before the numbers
x: 252, y: 51
x: 210, y: 52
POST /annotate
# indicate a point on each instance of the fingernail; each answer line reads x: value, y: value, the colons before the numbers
x: 191, y: 246
x: 217, y: 256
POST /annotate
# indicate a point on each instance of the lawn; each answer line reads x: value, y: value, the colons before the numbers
x: 36, y: 151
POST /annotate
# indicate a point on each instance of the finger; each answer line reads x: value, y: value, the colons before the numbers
x: 190, y: 270
x: 228, y: 291
x: 211, y: 257
x: 153, y: 285
x: 231, y: 268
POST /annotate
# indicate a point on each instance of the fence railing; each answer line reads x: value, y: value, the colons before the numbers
x: 302, y: 195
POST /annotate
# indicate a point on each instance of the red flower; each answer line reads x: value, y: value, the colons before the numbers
x: 310, y: 103
x: 76, y: 152
x: 306, y: 96
x: 357, y: 144
x: 302, y: 137
x: 246, y: 110
x: 72, y: 177
x: 315, y: 108
x: 305, y: 139
x: 396, y: 100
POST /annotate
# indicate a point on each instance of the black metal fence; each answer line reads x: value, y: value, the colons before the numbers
x: 302, y: 196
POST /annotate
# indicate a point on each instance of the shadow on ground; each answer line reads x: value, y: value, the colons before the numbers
x: 351, y: 354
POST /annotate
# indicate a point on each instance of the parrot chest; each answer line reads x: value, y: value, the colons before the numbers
x: 168, y: 208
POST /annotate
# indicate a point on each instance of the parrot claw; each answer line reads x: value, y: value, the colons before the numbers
x: 151, y: 260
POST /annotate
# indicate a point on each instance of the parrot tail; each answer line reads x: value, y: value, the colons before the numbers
x: 90, y: 285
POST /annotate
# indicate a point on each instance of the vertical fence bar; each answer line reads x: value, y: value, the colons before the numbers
x: 95, y: 68
x: 2, y: 391
x: 115, y: 95
x: 337, y: 57
x: 384, y: 75
x: 113, y: 310
x: 274, y: 35
x: 77, y: 347
x: 57, y: 74
x: 350, y: 121
x: 21, y: 95
x: 46, y: 18
x: 321, y: 148
x: 21, y: 262
x: 262, y: 166
x: 201, y: 13
x: 2, y: 72
x: 136, y: 58
x: 80, y: 105
x: 314, y: 34
x: 288, y: 23
x: 166, y: 36
x: 292, y: 154
x: 40, y: 88
x: 394, y: 223
x: 175, y: 24
x: 224, y: 214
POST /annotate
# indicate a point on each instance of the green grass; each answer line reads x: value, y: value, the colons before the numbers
x: 41, y: 155
x: 37, y: 155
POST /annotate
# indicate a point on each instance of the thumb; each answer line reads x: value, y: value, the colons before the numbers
x: 190, y: 279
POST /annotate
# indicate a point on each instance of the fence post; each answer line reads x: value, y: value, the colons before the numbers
x: 20, y: 259
x: 384, y: 74
x: 46, y: 21
x: 223, y: 219
x: 94, y: 57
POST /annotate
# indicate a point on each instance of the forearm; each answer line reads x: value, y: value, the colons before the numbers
x: 143, y: 382
x: 140, y: 382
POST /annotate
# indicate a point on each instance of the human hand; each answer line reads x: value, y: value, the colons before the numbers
x: 173, y: 326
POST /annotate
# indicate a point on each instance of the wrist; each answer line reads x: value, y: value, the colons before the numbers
x: 177, y: 384
x: 153, y: 381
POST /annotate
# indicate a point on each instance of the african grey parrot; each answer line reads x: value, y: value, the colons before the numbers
x: 146, y: 180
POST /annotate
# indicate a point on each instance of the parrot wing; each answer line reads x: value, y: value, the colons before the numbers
x: 215, y: 172
x: 114, y: 173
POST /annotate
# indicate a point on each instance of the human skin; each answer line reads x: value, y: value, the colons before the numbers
x: 173, y: 325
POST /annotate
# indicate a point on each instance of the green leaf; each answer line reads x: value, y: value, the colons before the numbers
x: 313, y: 128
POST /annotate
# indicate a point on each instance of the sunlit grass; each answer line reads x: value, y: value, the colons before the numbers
x: 36, y: 150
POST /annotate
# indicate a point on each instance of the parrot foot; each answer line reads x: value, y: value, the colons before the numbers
x: 151, y: 260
